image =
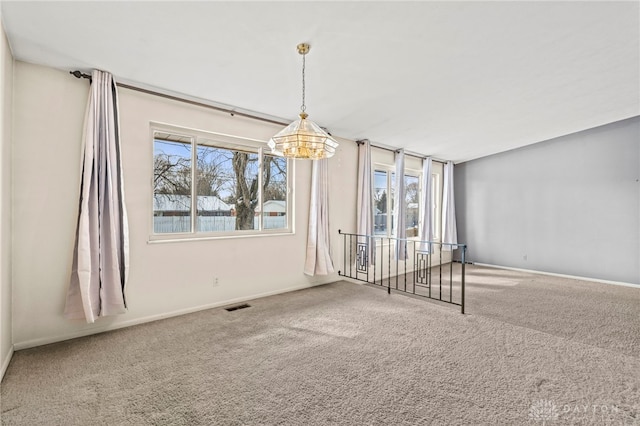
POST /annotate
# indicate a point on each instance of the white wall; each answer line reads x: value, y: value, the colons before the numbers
x: 165, y: 278
x: 6, y: 96
x: 570, y: 205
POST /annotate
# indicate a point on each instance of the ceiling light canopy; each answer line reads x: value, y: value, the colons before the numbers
x: 303, y: 138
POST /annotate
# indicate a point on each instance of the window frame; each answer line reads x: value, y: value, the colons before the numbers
x: 418, y: 175
x: 390, y: 170
x: 223, y: 141
x: 436, y: 196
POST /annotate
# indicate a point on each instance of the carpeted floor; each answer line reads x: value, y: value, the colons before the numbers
x: 532, y: 349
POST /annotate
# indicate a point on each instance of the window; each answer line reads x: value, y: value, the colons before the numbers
x: 235, y: 188
x: 435, y: 198
x: 383, y: 202
x: 412, y: 204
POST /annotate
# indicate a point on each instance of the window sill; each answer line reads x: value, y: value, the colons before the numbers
x: 182, y: 238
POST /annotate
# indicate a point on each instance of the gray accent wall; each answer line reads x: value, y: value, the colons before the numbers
x: 569, y: 205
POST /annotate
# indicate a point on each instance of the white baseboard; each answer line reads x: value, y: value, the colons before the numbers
x: 574, y: 277
x: 87, y: 332
x: 5, y: 363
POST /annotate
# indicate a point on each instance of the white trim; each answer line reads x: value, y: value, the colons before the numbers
x: 5, y: 363
x: 208, y: 236
x: 573, y: 277
x: 97, y: 330
x: 222, y: 138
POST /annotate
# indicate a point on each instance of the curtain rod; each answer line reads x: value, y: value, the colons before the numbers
x: 409, y: 153
x: 79, y: 74
x: 232, y: 112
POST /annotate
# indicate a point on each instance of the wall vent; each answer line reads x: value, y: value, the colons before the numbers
x: 235, y: 308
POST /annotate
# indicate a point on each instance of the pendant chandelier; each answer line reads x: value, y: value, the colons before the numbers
x: 303, y: 138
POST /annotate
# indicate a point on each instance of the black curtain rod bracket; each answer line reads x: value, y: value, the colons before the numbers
x: 79, y: 74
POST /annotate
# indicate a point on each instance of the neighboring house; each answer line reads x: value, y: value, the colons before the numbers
x: 180, y: 205
x: 274, y: 208
x: 209, y: 205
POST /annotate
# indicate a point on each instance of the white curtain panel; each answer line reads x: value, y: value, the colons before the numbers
x: 426, y: 195
x: 364, y: 208
x: 318, y: 261
x: 101, y: 254
x: 449, y: 230
x: 400, y: 218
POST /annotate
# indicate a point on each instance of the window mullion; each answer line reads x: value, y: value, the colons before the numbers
x: 260, y: 188
x: 194, y: 184
x: 389, y: 205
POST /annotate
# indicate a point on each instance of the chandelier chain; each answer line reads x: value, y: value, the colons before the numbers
x: 303, y: 107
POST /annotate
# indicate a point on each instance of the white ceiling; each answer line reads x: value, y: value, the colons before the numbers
x: 457, y: 80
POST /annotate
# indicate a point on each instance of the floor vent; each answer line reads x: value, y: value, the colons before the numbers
x: 235, y: 308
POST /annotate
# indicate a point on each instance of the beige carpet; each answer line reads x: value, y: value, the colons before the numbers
x: 532, y: 350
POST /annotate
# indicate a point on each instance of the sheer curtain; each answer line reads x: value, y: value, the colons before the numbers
x: 400, y: 218
x: 101, y: 254
x: 449, y: 230
x: 364, y: 208
x: 318, y: 261
x: 426, y: 227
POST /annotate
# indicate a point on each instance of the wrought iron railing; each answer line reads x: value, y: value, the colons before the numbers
x: 427, y: 270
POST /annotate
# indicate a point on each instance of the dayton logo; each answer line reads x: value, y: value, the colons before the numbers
x: 543, y: 411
